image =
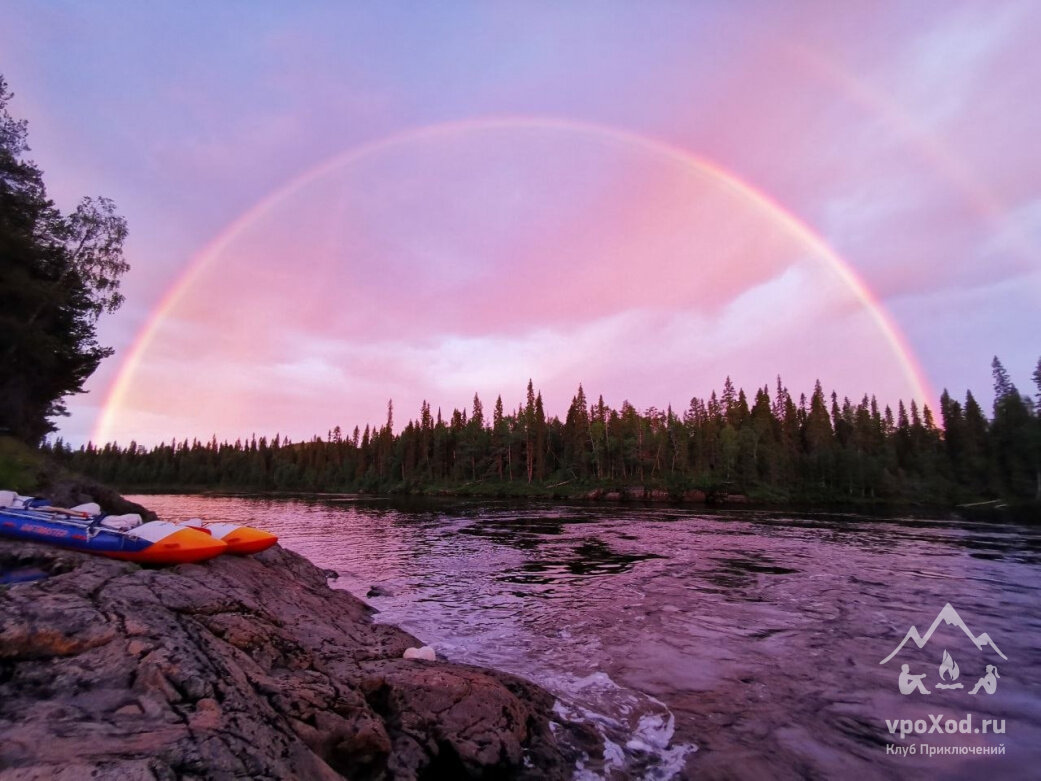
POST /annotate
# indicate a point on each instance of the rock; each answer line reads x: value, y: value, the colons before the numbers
x: 71, y: 491
x: 379, y: 591
x: 426, y: 653
x: 241, y: 667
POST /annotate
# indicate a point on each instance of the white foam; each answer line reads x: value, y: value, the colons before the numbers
x: 636, y: 739
x: 653, y: 732
x: 613, y: 754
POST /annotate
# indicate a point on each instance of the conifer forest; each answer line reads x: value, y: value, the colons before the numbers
x: 769, y: 446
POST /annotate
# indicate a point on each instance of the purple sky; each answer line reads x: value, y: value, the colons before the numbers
x: 431, y: 200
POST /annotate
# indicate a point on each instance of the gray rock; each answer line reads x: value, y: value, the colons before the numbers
x: 241, y: 667
x: 69, y: 491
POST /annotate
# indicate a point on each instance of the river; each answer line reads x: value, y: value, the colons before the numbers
x: 731, y: 644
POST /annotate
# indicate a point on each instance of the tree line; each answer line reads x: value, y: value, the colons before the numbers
x: 771, y: 446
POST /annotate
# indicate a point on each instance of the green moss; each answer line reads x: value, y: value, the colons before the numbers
x: 21, y: 467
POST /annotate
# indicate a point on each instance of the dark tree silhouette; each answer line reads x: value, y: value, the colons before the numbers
x: 59, y: 273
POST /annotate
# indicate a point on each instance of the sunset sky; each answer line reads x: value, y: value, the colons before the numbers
x: 332, y: 205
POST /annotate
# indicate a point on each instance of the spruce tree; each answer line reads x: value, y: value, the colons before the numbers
x: 1012, y: 436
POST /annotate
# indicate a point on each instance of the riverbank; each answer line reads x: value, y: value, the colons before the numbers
x: 239, y: 667
x: 998, y: 511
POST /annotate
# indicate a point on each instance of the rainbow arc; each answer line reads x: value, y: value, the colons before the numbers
x: 761, y: 201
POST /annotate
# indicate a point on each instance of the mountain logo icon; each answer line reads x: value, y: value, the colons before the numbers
x: 914, y: 683
x: 950, y: 617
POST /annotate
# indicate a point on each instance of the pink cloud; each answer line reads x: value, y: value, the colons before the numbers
x: 654, y: 290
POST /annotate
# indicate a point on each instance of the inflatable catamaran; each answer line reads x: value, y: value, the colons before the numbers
x: 127, y: 537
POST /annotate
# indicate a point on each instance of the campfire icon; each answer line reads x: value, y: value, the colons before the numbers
x: 949, y: 669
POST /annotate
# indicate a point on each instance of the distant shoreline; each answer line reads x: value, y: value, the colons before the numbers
x: 634, y: 496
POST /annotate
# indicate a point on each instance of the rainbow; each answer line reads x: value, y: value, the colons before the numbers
x: 928, y: 145
x: 758, y: 199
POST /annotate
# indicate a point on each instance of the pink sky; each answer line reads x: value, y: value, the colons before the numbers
x: 531, y: 214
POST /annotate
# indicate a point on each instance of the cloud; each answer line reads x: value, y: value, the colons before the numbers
x: 911, y: 158
x: 802, y: 323
x: 945, y: 66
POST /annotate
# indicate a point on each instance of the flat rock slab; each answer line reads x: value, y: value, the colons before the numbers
x: 239, y: 667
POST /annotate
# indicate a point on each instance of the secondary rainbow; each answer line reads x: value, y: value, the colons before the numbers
x: 770, y: 208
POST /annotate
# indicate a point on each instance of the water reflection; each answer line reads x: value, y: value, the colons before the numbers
x: 755, y: 636
x: 10, y: 576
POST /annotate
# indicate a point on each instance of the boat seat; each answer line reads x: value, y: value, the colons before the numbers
x: 16, y: 501
x: 122, y: 523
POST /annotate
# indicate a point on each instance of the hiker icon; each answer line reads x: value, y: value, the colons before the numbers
x: 989, y: 682
x: 910, y: 683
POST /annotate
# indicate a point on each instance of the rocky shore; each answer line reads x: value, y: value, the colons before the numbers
x: 239, y: 668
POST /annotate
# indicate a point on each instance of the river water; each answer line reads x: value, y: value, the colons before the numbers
x: 709, y: 645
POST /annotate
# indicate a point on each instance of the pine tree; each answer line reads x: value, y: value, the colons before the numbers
x: 1012, y: 436
x: 763, y: 428
x: 474, y: 440
x: 529, y: 431
x: 599, y: 438
x: 1003, y: 386
x: 818, y: 422
x: 953, y: 435
x: 540, y: 439
x: 978, y: 464
x: 577, y: 442
x: 1037, y: 382
x: 729, y: 397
